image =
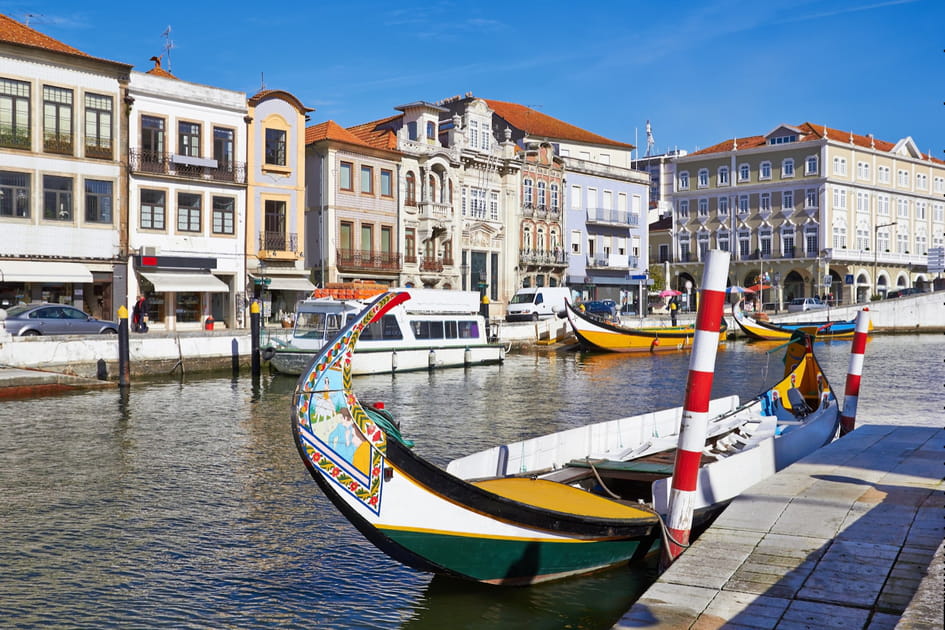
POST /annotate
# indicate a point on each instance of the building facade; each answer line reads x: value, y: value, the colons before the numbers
x: 62, y: 185
x: 809, y: 210
x: 275, y: 205
x: 187, y: 200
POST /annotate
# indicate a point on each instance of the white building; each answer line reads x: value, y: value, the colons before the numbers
x: 61, y: 181
x: 187, y: 200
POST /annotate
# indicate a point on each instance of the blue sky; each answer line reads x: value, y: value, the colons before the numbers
x: 701, y: 72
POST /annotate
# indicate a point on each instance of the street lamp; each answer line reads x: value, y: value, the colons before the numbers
x: 876, y: 254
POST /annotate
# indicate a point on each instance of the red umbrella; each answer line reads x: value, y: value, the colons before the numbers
x: 759, y: 287
x: 668, y: 292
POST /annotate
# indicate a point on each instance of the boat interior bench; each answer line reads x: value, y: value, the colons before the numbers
x: 550, y: 495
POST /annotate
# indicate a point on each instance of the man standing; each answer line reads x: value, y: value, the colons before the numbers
x: 673, y: 309
x: 139, y: 315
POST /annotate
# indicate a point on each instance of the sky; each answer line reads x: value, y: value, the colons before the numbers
x: 700, y: 72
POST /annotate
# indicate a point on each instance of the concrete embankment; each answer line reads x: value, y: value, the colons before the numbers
x: 848, y: 537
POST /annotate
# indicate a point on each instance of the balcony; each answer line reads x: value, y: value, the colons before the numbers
x: 11, y: 138
x: 279, y: 241
x: 367, y: 260
x: 531, y: 257
x: 431, y: 264
x: 99, y: 151
x: 58, y: 143
x: 609, y: 216
x: 612, y: 261
x: 186, y: 167
x: 433, y: 210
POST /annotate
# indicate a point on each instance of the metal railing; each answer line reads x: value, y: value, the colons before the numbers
x: 278, y: 241
x: 368, y: 260
x: 15, y: 138
x: 162, y: 164
x: 58, y: 143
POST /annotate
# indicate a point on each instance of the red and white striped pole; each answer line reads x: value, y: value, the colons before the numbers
x: 852, y: 391
x: 695, y: 416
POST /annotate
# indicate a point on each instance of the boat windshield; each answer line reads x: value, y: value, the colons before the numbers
x: 318, y: 325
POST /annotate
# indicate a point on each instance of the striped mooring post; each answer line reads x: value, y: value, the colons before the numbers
x: 695, y: 416
x: 851, y: 392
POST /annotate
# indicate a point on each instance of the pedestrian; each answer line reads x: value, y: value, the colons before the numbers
x: 673, y: 309
x: 139, y: 315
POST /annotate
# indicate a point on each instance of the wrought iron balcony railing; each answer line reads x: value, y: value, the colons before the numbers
x: 368, y: 260
x: 15, y: 138
x: 173, y: 165
x: 58, y: 143
x: 279, y: 242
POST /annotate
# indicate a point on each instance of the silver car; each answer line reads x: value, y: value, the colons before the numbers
x: 52, y: 319
x: 798, y: 305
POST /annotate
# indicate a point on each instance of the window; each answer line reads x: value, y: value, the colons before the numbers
x: 57, y: 120
x: 14, y: 114
x: 98, y: 201
x: 782, y: 139
x: 575, y: 241
x: 387, y: 238
x: 411, y: 182
x: 98, y: 126
x: 810, y: 240
x: 57, y: 198
x: 14, y: 194
x: 387, y: 183
x: 862, y: 238
x: 744, y: 172
x: 764, y: 241
x: 188, y: 139
x: 684, y: 209
x: 275, y: 147
x: 554, y: 197
x: 576, y: 197
x: 902, y: 243
x: 921, y: 181
x: 274, y: 223
x: 862, y: 201
x: 223, y: 215
x: 882, y: 205
x: 938, y: 184
x: 527, y: 193
x: 787, y: 241
x: 703, y: 242
x: 882, y: 240
x: 188, y: 212
x: 477, y: 200
x: 810, y: 198
x: 743, y: 204
x: 744, y: 243
x: 810, y: 165
x: 703, y: 207
x: 152, y: 209
x: 839, y: 166
x: 938, y: 212
x: 902, y: 177
x: 765, y: 202
x: 787, y: 200
x: 473, y: 133
x: 703, y: 178
x: 152, y: 136
x: 367, y: 237
x: 410, y: 245
x: 787, y: 168
x: 367, y: 180
x: 882, y: 174
x: 765, y: 170
x: 346, y: 235
x: 839, y: 198
x: 723, y: 176
x: 223, y: 148
x: 684, y: 180
x: 723, y: 240
x: 723, y: 206
x: 863, y: 170
x: 494, y: 205
x: 346, y: 179
x: 839, y: 237
x: 920, y: 207
x: 431, y: 130
x: 542, y: 198
x: 902, y: 208
x: 412, y: 130
x: 486, y: 137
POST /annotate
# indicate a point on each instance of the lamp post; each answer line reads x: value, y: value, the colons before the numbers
x: 876, y: 255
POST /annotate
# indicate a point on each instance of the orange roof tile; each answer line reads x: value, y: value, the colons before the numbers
x: 14, y: 32
x: 330, y: 130
x: 263, y: 95
x: 376, y: 134
x: 811, y: 132
x: 538, y: 124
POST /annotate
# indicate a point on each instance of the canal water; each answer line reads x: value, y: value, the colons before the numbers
x: 185, y: 504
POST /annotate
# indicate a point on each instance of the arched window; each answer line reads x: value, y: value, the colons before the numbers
x: 431, y: 130
x: 540, y: 245
x: 411, y: 189
x: 527, y: 238
x: 431, y: 180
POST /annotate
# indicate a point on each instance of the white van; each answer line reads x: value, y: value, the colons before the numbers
x: 535, y: 302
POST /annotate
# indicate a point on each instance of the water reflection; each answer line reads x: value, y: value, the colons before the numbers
x: 184, y: 503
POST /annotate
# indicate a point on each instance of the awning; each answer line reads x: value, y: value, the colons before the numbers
x: 43, y: 271
x: 288, y: 283
x: 186, y: 282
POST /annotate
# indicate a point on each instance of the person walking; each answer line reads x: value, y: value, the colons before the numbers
x: 139, y: 315
x: 673, y: 309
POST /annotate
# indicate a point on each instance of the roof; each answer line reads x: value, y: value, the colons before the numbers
x: 809, y: 133
x: 263, y: 95
x: 158, y: 71
x: 536, y: 123
x: 14, y: 32
x: 378, y: 133
x: 330, y: 130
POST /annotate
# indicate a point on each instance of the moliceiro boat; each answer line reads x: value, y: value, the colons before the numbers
x: 435, y: 329
x: 573, y: 502
x: 595, y: 333
x: 760, y: 328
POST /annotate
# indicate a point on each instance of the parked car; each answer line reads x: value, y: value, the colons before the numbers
x: 798, y: 305
x: 52, y: 319
x: 903, y: 292
x: 605, y: 309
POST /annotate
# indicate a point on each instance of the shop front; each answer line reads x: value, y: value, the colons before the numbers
x: 183, y: 293
x: 27, y: 281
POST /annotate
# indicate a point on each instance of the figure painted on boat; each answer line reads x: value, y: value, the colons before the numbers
x: 346, y: 440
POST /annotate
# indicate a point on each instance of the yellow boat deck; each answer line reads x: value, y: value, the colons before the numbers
x: 559, y: 497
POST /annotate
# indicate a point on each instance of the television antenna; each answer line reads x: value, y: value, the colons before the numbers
x: 168, y: 45
x: 28, y: 17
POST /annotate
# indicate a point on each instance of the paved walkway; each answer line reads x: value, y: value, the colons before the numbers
x: 849, y: 537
